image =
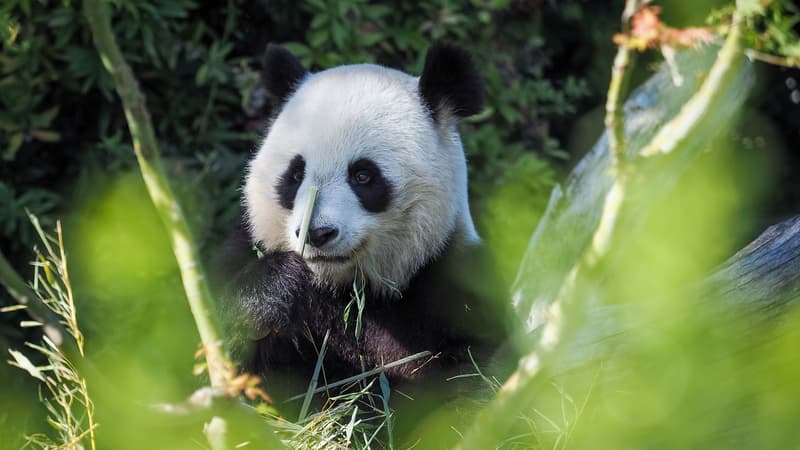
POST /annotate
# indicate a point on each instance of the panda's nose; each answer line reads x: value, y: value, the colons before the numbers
x: 322, y: 235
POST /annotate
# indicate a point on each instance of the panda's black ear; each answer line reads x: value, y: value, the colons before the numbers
x: 283, y: 72
x: 450, y: 82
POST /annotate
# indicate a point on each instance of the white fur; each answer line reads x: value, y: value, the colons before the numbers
x: 363, y: 111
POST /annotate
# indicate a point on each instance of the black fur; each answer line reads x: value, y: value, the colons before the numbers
x: 290, y: 182
x: 275, y: 317
x: 450, y: 82
x: 283, y: 72
x: 262, y: 295
x: 376, y: 194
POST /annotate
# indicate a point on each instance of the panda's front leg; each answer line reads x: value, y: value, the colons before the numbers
x: 266, y: 297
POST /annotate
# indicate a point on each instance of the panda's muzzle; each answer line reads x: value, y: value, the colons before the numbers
x: 320, y: 236
x: 340, y: 259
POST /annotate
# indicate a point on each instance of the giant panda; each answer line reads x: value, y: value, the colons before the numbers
x: 392, y: 221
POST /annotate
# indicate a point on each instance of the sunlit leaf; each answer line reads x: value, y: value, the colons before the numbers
x: 25, y: 364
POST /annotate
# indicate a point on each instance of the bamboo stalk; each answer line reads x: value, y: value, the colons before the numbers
x: 697, y: 110
x: 145, y: 147
x: 617, y: 89
x: 169, y: 210
x: 303, y: 236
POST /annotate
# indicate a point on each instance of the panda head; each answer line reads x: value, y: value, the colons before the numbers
x: 383, y: 148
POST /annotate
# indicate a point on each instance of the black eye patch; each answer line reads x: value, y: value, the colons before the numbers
x: 290, y: 182
x: 370, y: 186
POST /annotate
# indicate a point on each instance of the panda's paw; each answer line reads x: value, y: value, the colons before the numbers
x: 276, y: 294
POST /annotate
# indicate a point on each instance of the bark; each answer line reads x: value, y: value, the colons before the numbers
x: 757, y: 284
x: 764, y: 276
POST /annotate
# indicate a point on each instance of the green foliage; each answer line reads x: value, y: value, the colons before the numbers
x: 59, y: 115
x: 522, y: 99
x: 66, y: 152
x: 775, y: 26
x: 199, y: 69
x: 772, y: 29
x: 13, y: 216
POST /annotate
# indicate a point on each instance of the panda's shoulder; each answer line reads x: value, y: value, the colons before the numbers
x: 452, y: 273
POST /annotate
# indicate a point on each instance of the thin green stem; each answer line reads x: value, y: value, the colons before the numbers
x: 699, y: 109
x: 145, y: 146
x: 776, y: 60
x: 617, y: 89
x: 365, y: 375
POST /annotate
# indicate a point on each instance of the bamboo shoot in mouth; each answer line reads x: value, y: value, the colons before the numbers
x: 303, y: 236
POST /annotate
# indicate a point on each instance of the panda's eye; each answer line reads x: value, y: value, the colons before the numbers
x: 297, y: 176
x: 362, y: 177
x: 370, y: 185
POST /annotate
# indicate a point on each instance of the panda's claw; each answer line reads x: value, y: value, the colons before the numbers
x: 267, y: 295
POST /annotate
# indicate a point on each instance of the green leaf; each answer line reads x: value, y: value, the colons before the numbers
x: 317, y: 38
x: 298, y: 49
x: 202, y: 75
x: 60, y: 18
x: 346, y: 314
x: 750, y: 7
x: 50, y: 114
x: 26, y: 7
x: 339, y: 36
x: 318, y: 21
x: 149, y: 45
x: 46, y: 135
x: 376, y: 12
x: 386, y: 393
x: 8, y: 125
x: 370, y: 39
x: 25, y: 364
x: 14, y: 143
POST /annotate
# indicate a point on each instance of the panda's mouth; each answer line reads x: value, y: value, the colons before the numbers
x: 336, y: 259
x: 329, y: 259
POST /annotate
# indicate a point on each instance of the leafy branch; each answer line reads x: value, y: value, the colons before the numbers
x: 145, y: 147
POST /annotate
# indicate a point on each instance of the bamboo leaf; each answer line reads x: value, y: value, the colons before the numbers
x: 25, y: 364
x: 46, y: 135
x: 14, y: 143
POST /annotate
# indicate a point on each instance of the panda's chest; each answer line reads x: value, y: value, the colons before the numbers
x: 378, y: 334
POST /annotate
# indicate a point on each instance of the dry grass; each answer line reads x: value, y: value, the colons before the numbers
x: 66, y: 396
